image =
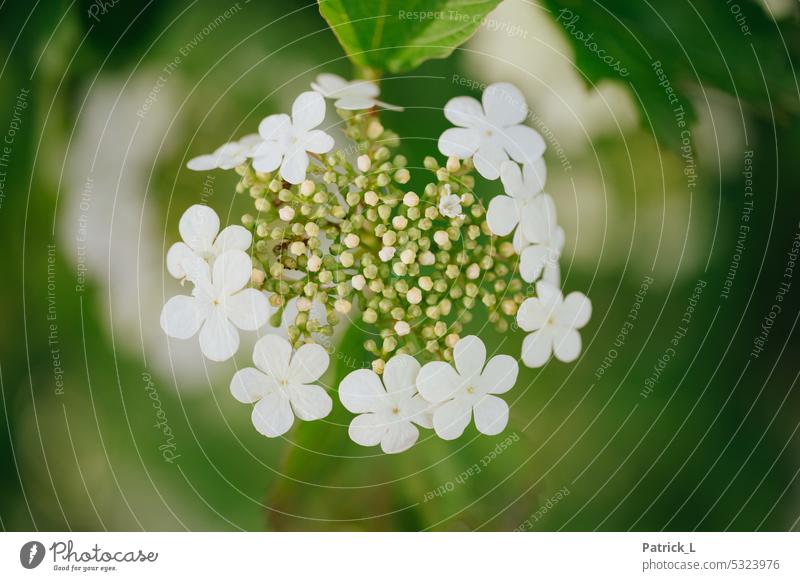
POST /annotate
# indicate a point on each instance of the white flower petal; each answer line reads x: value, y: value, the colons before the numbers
x: 308, y: 110
x: 198, y: 226
x: 294, y: 166
x: 575, y: 311
x: 437, y: 382
x: 504, y: 104
x: 273, y: 128
x: 198, y: 272
x: 400, y: 375
x: 219, y: 339
x: 310, y: 402
x: 469, y: 355
x: 354, y: 103
x: 502, y: 215
x: 532, y: 314
x: 176, y: 254
x: 519, y: 241
x: 248, y: 309
x: 203, y: 162
x: 272, y: 416
x: 233, y: 238
x: 250, y: 385
x: 182, y: 316
x: 271, y: 355
x: 532, y: 261
x: 451, y: 419
x: 511, y: 176
x: 267, y: 157
x: 535, y: 175
x: 231, y: 272
x: 491, y: 415
x: 399, y: 437
x: 317, y: 141
x: 461, y: 143
x: 538, y: 219
x: 329, y: 84
x: 362, y: 392
x: 249, y: 142
x: 419, y: 411
x: 308, y: 364
x: 367, y: 429
x: 550, y: 296
x: 537, y: 348
x: 522, y: 143
x: 362, y: 88
x: 464, y: 112
x: 500, y: 374
x: 566, y: 344
x: 488, y: 159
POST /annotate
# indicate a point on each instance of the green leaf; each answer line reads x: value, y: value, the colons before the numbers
x: 675, y: 46
x: 398, y: 35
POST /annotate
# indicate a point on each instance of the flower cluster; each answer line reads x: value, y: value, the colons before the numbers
x: 341, y: 234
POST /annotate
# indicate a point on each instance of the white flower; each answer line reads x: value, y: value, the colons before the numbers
x: 198, y: 227
x: 350, y: 95
x: 283, y: 386
x: 219, y: 304
x: 522, y: 187
x: 468, y: 389
x: 492, y: 132
x: 541, y: 244
x: 226, y: 156
x: 388, y: 414
x: 553, y: 321
x: 450, y: 206
x: 286, y: 140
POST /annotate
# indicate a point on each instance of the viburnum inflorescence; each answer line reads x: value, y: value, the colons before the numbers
x: 340, y: 234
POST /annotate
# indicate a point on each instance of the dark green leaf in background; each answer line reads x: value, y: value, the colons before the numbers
x: 398, y: 35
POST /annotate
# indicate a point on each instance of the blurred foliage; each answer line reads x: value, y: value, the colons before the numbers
x: 713, y: 447
x: 733, y: 46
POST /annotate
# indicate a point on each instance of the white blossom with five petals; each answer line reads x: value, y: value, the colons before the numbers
x: 288, y: 140
x: 468, y: 390
x: 218, y: 305
x: 387, y: 414
x: 522, y: 188
x: 491, y: 132
x: 540, y: 246
x: 228, y: 155
x: 552, y: 321
x: 283, y: 385
x: 350, y: 95
x: 199, y: 226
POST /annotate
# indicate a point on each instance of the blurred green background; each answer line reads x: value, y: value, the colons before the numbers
x: 106, y: 425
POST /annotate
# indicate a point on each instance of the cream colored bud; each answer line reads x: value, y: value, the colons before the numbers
x: 408, y: 256
x: 473, y: 271
x: 297, y: 248
x: 303, y: 304
x: 286, y: 213
x: 451, y: 340
x: 400, y: 222
x: 402, y: 328
x: 257, y: 276
x: 307, y: 188
x: 314, y: 263
x: 414, y: 296
x: 363, y: 162
x: 453, y: 165
x: 343, y: 306
x: 346, y: 259
x: 358, y: 282
x: 371, y: 198
x: 427, y: 258
x: 440, y: 237
x: 351, y: 240
x: 375, y: 129
x: 402, y: 176
x: 387, y: 253
x: 426, y: 283
x: 410, y: 199
x: 312, y: 229
x: 378, y: 365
